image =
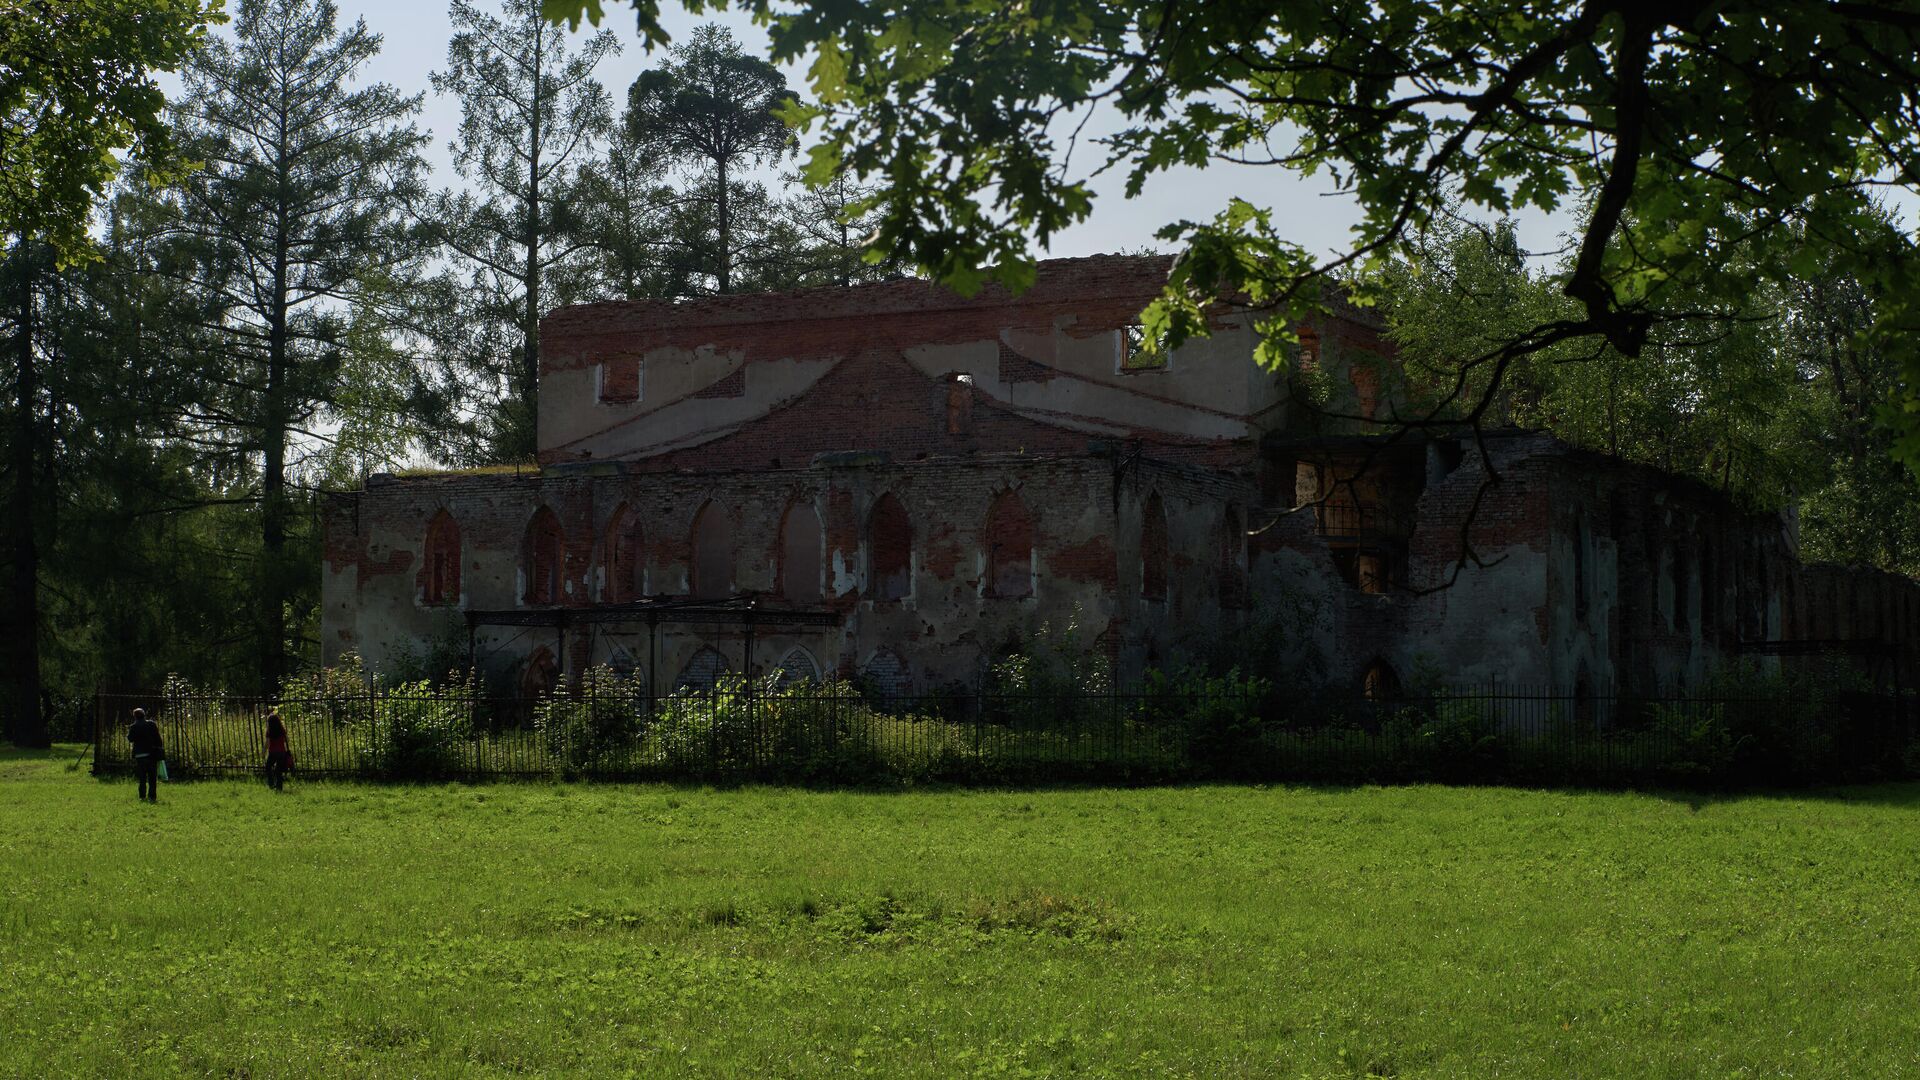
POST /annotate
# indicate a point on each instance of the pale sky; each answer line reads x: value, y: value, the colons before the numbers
x: 416, y: 33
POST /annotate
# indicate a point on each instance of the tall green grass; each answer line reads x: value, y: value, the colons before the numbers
x: 608, y: 930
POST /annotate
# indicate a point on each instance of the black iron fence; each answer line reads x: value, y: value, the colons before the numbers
x: 839, y: 735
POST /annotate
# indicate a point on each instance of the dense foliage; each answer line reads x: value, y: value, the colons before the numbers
x: 77, y: 89
x: 196, y: 355
x: 1775, y: 403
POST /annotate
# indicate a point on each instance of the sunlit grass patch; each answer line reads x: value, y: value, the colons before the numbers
x: 450, y: 930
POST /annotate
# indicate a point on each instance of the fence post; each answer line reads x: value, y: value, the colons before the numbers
x: 373, y: 732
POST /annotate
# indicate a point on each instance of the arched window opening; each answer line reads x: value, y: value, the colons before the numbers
x: 440, y: 569
x: 1379, y: 682
x: 1153, y: 549
x: 801, y: 550
x: 626, y: 667
x: 796, y: 667
x: 703, y: 671
x: 1233, y: 557
x: 712, y: 556
x: 1009, y: 547
x: 889, y: 550
x: 887, y: 676
x: 625, y: 557
x: 541, y: 675
x: 544, y: 571
x: 1370, y: 573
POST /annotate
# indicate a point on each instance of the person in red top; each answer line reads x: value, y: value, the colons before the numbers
x: 279, y: 758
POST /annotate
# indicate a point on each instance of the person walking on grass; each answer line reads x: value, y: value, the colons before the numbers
x: 279, y: 757
x: 148, y: 752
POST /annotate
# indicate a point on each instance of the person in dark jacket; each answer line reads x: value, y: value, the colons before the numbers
x: 148, y: 751
x: 279, y: 756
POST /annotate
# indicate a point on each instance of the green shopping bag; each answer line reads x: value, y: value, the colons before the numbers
x: 161, y: 770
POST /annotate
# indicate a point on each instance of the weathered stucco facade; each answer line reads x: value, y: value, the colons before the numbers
x: 895, y: 482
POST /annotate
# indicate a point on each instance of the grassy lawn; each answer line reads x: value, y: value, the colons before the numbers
x: 1206, y: 931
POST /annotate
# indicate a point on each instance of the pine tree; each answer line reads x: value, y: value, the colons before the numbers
x: 715, y: 111
x: 76, y: 85
x: 622, y: 217
x: 304, y: 195
x: 530, y: 115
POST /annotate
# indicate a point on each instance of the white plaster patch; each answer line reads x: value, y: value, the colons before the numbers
x: 845, y: 580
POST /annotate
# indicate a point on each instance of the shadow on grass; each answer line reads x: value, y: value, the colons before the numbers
x: 58, y: 752
x: 1905, y: 794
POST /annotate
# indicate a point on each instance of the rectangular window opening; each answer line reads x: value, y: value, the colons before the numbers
x: 1135, y: 352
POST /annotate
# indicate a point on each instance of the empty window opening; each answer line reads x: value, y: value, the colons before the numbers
x: 889, y: 550
x: 959, y: 404
x: 541, y: 675
x: 1370, y: 573
x: 712, y: 555
x: 1307, y: 356
x: 544, y: 561
x: 1138, y: 352
x: 625, y: 557
x: 1009, y: 547
x: 441, y: 567
x: 1153, y: 549
x: 620, y: 380
x: 800, y: 555
x: 1380, y: 682
x: 702, y: 673
x: 1306, y: 483
x: 1443, y: 457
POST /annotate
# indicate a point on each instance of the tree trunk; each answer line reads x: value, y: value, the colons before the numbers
x: 274, y: 511
x: 529, y: 437
x: 273, y: 479
x: 725, y: 271
x: 29, y: 724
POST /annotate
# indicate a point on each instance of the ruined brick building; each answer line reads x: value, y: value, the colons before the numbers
x: 894, y: 482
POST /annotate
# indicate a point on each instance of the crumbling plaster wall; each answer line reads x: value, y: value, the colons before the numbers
x: 946, y: 628
x: 708, y: 368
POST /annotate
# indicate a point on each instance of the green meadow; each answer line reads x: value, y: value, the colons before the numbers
x: 607, y: 930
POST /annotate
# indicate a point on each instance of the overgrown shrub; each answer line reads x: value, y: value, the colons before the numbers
x: 341, y: 696
x: 596, y: 728
x: 1461, y: 741
x: 409, y: 730
x: 418, y: 732
x: 1217, y: 724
